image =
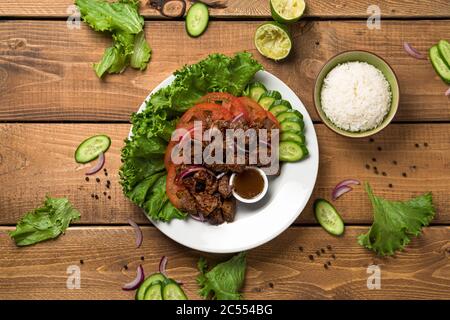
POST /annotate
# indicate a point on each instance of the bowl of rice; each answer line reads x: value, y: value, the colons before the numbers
x: 356, y: 94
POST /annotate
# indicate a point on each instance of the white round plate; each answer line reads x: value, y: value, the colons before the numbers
x: 255, y: 224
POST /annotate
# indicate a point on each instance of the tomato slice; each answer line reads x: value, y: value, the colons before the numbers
x: 203, y: 111
x: 172, y: 188
x: 255, y: 111
x: 237, y: 108
x: 228, y: 101
x: 167, y: 155
x: 273, y: 119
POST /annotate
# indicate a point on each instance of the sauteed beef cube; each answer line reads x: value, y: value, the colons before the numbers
x: 188, y: 203
x: 206, y: 203
x: 205, y: 182
x: 224, y: 187
x: 201, y: 181
x: 190, y: 184
x: 216, y: 217
x: 219, y: 167
x: 229, y: 209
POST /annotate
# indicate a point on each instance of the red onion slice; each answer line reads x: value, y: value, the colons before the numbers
x: 240, y: 115
x: 191, y: 170
x: 220, y: 175
x: 413, y: 52
x: 137, y: 231
x: 162, y: 265
x: 98, y: 166
x: 447, y: 93
x: 200, y: 217
x: 133, y: 285
x: 347, y: 183
x: 188, y: 133
x: 340, y: 191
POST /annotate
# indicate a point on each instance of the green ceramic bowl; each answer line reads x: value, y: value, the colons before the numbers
x: 362, y: 56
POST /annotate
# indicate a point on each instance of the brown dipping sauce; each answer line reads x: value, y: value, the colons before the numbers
x: 248, y: 184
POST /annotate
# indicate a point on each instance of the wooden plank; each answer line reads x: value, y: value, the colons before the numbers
x: 422, y: 271
x: 46, y: 73
x: 254, y: 8
x: 36, y: 159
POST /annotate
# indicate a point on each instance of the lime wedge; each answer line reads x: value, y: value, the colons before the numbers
x: 273, y: 41
x: 287, y: 11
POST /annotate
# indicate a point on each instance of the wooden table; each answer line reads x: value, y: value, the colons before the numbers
x: 50, y: 99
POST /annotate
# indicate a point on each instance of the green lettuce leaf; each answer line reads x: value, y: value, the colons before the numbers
x: 114, y: 60
x: 46, y: 222
x: 105, y: 16
x: 224, y: 281
x: 395, y: 222
x: 125, y: 41
x: 158, y: 207
x: 122, y: 20
x: 141, y: 53
x: 139, y: 194
x: 143, y: 154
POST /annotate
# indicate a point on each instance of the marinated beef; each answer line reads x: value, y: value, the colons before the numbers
x: 206, y: 203
x: 221, y: 167
x: 205, y: 194
x: 205, y: 182
x: 216, y: 217
x: 229, y: 209
x: 188, y: 203
x: 224, y: 187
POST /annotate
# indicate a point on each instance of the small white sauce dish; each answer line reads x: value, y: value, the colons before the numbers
x: 253, y: 199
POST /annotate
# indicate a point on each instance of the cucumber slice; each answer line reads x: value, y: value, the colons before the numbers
x: 276, y: 110
x: 292, y: 136
x: 90, y: 148
x: 282, y: 102
x: 280, y: 106
x: 444, y: 50
x: 291, y: 151
x: 172, y: 291
x: 197, y: 19
x: 328, y: 217
x: 291, y: 115
x: 154, y: 292
x: 268, y: 98
x: 294, y: 126
x: 154, y: 278
x: 256, y: 90
x: 439, y: 65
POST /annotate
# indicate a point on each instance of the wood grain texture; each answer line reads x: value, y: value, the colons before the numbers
x: 36, y: 159
x: 46, y: 69
x: 254, y: 8
x: 422, y: 271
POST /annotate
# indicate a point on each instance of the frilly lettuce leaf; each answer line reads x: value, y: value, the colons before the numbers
x: 143, y: 154
x: 395, y: 222
x: 224, y: 281
x: 141, y: 52
x: 105, y: 16
x: 46, y: 222
x: 122, y: 20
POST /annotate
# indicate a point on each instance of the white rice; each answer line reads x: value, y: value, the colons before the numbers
x: 356, y: 96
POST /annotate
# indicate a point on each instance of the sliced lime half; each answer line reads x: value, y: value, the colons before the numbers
x: 287, y: 11
x: 273, y: 41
